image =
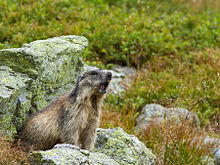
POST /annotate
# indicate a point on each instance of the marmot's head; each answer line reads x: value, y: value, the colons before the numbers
x: 95, y: 81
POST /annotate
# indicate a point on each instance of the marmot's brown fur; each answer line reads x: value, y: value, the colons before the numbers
x: 72, y: 118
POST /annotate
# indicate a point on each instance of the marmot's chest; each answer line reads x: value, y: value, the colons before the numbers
x: 89, y: 116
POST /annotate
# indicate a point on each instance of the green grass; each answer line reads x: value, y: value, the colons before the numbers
x: 123, y: 32
x: 191, y: 83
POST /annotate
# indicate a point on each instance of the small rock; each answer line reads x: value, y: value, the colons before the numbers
x: 87, y: 68
x: 128, y: 71
x: 154, y: 113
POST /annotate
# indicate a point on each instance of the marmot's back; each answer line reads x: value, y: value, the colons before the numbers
x: 42, y: 130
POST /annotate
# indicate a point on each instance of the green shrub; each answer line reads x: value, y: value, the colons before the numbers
x: 122, y: 32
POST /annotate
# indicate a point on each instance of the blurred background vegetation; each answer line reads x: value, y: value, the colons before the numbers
x: 174, y: 44
x: 123, y: 32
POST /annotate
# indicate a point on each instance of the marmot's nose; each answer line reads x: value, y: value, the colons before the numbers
x: 109, y: 75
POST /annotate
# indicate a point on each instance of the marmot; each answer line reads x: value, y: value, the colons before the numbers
x: 72, y: 118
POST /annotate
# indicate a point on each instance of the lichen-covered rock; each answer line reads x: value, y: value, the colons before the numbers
x: 122, y: 147
x: 34, y: 75
x: 67, y: 154
x: 154, y: 113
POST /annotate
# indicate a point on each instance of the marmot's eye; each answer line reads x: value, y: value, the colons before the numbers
x: 94, y: 73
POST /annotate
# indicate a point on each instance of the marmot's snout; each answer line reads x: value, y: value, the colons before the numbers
x: 103, y: 86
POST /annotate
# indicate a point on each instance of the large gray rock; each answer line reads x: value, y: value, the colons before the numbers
x: 154, y: 113
x: 113, y: 146
x: 70, y: 155
x: 33, y: 75
x: 122, y: 147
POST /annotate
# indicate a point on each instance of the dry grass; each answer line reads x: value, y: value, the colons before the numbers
x: 11, y: 154
x: 122, y: 113
x: 171, y: 142
x: 177, y: 143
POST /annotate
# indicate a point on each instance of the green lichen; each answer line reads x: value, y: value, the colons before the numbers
x: 12, y: 87
x: 124, y: 148
x: 69, y: 155
x: 76, y: 39
x: 12, y: 80
x: 19, y: 60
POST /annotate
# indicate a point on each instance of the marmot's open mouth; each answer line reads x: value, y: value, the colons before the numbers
x: 103, y: 87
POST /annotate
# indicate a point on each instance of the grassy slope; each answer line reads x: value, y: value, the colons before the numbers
x: 123, y: 32
x: 174, y: 43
